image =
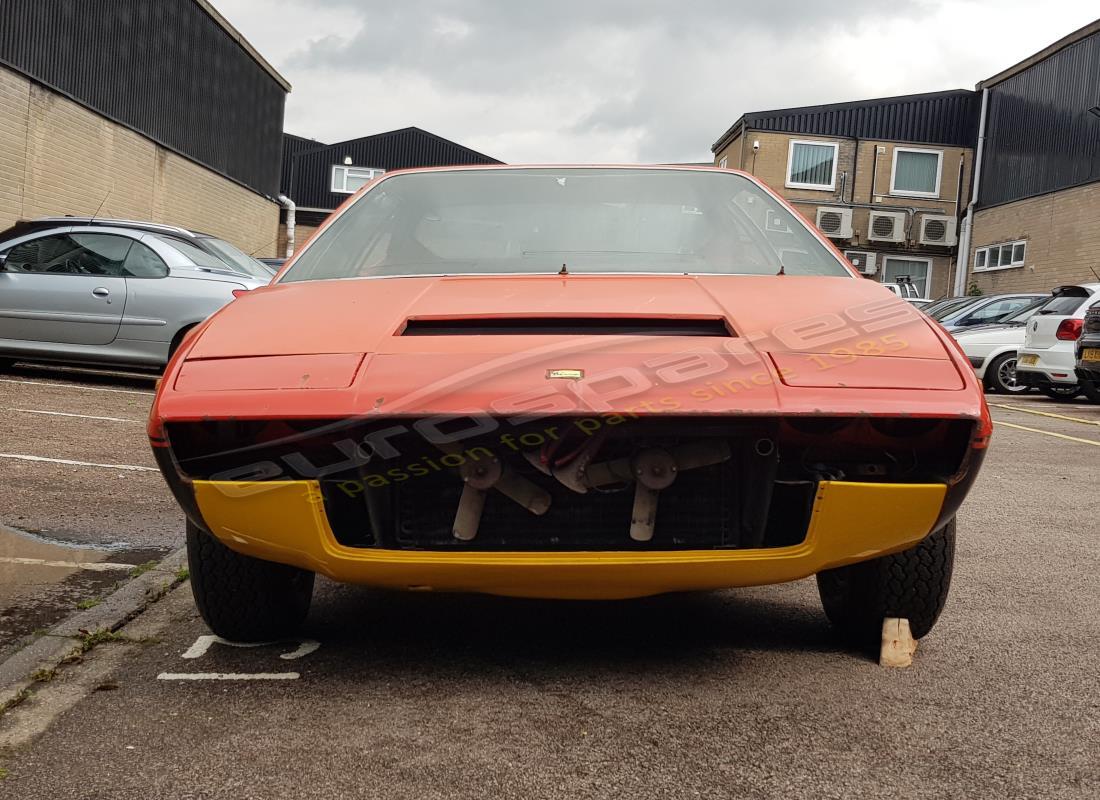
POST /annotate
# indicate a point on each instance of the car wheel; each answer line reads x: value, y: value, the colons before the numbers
x: 1063, y: 394
x: 6, y: 364
x: 245, y: 599
x: 1001, y: 375
x: 912, y: 584
x: 177, y: 340
x: 1091, y: 391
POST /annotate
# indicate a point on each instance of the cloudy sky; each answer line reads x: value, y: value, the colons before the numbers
x: 621, y: 80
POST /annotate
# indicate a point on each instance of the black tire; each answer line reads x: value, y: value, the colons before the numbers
x: 6, y: 364
x: 1000, y: 375
x: 912, y: 584
x: 1091, y: 391
x: 177, y: 340
x: 1061, y: 393
x: 245, y: 599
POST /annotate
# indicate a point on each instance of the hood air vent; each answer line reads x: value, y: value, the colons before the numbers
x: 565, y: 326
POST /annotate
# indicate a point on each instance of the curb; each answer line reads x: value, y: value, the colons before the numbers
x: 67, y: 637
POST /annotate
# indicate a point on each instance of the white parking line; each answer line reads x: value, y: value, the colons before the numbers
x: 78, y: 416
x: 228, y: 676
x: 77, y: 386
x: 68, y: 462
x: 92, y: 566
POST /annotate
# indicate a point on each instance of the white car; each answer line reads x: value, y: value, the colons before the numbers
x: 1047, y: 359
x: 992, y: 349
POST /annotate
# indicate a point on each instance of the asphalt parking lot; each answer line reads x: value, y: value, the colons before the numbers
x: 740, y: 693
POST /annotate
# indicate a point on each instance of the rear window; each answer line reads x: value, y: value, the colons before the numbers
x: 1063, y: 305
x: 592, y: 220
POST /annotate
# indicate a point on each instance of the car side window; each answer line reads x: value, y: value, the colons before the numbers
x: 142, y: 262
x: 1001, y: 308
x: 70, y: 254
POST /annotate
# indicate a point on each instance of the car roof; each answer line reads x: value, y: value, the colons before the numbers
x: 42, y: 223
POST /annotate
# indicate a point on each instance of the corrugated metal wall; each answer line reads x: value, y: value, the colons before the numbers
x: 949, y: 118
x: 1040, y: 136
x: 401, y: 149
x: 164, y: 68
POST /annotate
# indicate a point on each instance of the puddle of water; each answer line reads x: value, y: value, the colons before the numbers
x: 36, y: 596
x: 16, y: 544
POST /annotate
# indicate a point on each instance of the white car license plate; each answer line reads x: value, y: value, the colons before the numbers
x: 1028, y: 361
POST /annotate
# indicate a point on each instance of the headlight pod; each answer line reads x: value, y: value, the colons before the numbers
x: 259, y: 373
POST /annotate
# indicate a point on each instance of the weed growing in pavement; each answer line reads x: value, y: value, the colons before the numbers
x: 3, y: 773
x: 91, y: 602
x: 141, y: 569
x: 44, y: 675
x: 100, y: 636
x: 183, y: 574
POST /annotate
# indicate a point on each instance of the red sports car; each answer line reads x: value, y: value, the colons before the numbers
x: 569, y: 382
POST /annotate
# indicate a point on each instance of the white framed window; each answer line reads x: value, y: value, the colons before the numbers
x: 1004, y: 255
x: 349, y: 180
x: 903, y: 269
x: 722, y: 162
x: 811, y: 165
x: 916, y: 172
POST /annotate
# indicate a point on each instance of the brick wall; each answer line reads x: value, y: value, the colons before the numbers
x: 301, y: 234
x: 1062, y: 231
x: 57, y: 157
x: 863, y: 176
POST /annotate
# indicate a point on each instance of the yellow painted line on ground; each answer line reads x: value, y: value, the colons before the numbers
x: 1048, y: 433
x: 1046, y: 414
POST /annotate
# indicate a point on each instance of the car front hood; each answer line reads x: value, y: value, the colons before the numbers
x: 792, y: 343
x: 811, y: 314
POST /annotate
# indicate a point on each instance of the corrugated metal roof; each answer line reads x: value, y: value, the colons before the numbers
x: 309, y: 171
x: 168, y: 70
x: 949, y: 118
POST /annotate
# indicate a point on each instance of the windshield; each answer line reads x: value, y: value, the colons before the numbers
x: 203, y: 258
x: 1025, y: 313
x: 583, y: 219
x: 237, y: 258
x: 951, y: 306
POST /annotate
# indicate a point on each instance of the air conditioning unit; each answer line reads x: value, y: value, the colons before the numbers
x: 886, y: 226
x: 937, y: 229
x: 776, y: 223
x: 836, y: 223
x: 863, y: 261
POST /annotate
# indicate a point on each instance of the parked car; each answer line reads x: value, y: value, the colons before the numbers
x: 918, y: 302
x: 569, y: 382
x: 111, y: 292
x: 904, y: 290
x: 992, y: 349
x: 949, y: 305
x: 1048, y: 357
x: 1088, y: 354
x: 987, y: 309
x: 219, y: 248
x: 274, y: 263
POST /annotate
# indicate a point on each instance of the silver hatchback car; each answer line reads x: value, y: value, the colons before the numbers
x: 112, y: 292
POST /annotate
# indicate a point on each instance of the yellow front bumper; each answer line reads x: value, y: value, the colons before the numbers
x: 285, y: 521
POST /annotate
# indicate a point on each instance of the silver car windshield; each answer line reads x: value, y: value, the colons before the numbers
x: 588, y: 219
x: 239, y: 259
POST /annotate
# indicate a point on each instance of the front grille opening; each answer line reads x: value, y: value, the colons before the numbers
x: 566, y: 326
x: 758, y: 495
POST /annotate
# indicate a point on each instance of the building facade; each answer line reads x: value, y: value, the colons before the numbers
x: 1036, y: 217
x: 318, y: 177
x: 884, y: 179
x: 151, y: 111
